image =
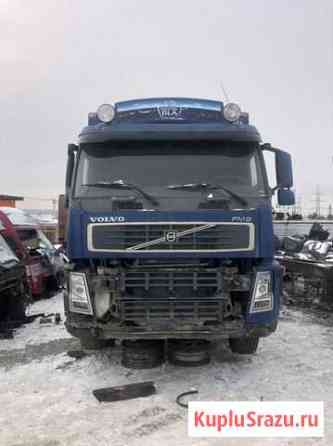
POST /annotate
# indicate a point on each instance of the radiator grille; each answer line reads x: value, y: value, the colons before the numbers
x: 171, y: 237
x: 180, y: 309
x: 165, y: 283
x: 171, y: 294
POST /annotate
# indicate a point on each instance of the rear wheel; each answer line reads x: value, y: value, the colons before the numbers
x: 244, y: 346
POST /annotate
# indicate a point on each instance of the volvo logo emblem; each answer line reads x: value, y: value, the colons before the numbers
x: 170, y: 236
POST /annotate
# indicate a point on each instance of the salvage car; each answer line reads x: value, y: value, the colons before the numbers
x: 44, y: 263
x: 14, y: 291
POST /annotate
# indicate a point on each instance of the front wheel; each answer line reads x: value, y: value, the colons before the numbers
x: 246, y: 345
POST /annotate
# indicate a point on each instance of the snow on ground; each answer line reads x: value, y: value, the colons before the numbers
x: 36, y: 333
x: 46, y: 396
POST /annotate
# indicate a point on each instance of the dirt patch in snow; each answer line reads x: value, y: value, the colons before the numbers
x: 11, y: 358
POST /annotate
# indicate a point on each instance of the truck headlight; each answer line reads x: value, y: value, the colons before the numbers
x: 262, y: 298
x: 79, y: 298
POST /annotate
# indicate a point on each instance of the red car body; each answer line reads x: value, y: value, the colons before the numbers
x: 33, y: 263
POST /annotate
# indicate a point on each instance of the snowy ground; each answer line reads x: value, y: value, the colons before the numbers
x: 46, y: 396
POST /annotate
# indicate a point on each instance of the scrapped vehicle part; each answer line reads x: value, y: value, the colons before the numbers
x: 182, y: 395
x: 44, y: 264
x: 317, y: 250
x: 293, y: 243
x: 126, y: 392
x: 244, y: 346
x: 142, y: 354
x: 13, y: 282
x: 32, y: 317
x: 189, y: 353
x: 45, y: 320
x: 309, y: 275
x: 317, y: 232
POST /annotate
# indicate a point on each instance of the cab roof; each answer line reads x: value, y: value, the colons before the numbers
x: 172, y: 118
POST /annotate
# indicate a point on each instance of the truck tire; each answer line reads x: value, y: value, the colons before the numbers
x: 244, y: 346
x: 92, y: 343
x: 142, y: 354
x: 189, y: 353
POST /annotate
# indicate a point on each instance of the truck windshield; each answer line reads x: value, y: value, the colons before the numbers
x: 155, y: 166
x: 6, y: 254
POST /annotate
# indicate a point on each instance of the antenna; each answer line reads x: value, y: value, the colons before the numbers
x: 225, y: 94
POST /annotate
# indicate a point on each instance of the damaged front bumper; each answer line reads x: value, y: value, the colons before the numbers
x: 188, y: 303
x: 80, y: 326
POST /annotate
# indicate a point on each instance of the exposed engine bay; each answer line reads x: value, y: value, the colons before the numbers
x: 169, y: 293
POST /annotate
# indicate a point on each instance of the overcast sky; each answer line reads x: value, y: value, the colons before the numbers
x: 61, y: 59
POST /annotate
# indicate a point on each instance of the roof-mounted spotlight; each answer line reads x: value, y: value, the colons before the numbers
x: 106, y: 113
x: 232, y: 112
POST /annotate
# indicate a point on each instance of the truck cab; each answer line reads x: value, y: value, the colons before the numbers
x: 170, y: 231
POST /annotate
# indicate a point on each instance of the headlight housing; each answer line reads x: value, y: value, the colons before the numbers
x: 232, y: 112
x: 262, y: 298
x: 79, y: 297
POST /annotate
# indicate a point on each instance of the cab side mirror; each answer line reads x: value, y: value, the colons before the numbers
x: 285, y: 197
x: 283, y: 168
x: 284, y: 171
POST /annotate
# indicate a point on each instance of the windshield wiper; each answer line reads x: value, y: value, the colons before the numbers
x: 120, y: 184
x: 202, y: 186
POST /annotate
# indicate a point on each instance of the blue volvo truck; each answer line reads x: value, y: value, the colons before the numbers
x: 170, y: 231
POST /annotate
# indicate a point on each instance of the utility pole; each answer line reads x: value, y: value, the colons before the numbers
x: 318, y: 201
x: 330, y: 215
x: 299, y: 209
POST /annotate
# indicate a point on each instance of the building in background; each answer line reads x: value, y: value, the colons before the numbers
x: 9, y: 200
